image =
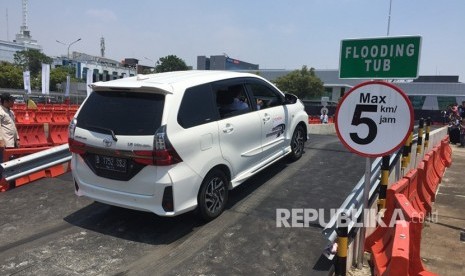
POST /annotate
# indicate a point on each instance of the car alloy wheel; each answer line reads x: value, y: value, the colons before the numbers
x: 297, y: 143
x: 213, y: 195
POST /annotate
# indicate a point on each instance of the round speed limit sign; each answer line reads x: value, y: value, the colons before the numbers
x: 374, y: 119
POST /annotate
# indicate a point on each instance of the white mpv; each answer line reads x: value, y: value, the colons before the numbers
x: 172, y: 142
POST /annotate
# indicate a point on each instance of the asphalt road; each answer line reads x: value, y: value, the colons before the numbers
x: 46, y: 230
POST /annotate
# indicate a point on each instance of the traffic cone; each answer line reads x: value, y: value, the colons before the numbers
x: 26, y: 117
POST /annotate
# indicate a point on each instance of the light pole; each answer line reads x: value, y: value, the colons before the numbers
x: 69, y: 45
x: 153, y: 62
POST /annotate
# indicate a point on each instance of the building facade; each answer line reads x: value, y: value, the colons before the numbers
x: 223, y: 62
x: 102, y: 69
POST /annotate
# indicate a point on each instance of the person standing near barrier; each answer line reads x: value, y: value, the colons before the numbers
x: 462, y: 133
x: 462, y: 110
x: 8, y: 133
x: 324, y: 117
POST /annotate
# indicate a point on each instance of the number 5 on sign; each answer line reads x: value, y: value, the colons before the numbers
x: 374, y: 119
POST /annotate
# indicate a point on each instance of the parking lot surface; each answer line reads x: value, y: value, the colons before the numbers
x: 46, y: 230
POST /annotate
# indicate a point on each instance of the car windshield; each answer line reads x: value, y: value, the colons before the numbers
x: 124, y: 113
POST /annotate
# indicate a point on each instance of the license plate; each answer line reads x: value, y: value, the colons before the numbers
x: 110, y: 163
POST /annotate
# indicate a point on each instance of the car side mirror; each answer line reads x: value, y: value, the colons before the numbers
x: 290, y: 98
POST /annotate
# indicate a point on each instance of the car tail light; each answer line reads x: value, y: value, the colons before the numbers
x: 75, y: 146
x: 163, y: 154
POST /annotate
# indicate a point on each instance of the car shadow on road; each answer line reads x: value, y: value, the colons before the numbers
x: 149, y: 228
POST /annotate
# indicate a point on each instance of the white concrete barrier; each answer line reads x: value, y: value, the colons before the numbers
x: 322, y: 129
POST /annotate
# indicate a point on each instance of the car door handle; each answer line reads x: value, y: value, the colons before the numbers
x: 228, y: 128
x: 266, y: 118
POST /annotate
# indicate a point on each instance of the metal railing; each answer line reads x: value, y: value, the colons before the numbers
x: 353, y: 203
x: 35, y: 162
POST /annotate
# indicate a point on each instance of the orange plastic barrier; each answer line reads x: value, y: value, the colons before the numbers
x: 395, y: 249
x: 414, y: 196
x: 32, y: 135
x: 70, y: 113
x: 44, y: 107
x: 314, y: 120
x: 391, y: 250
x: 60, y: 117
x: 24, y: 116
x: 431, y: 178
x: 415, y: 264
x: 60, y: 107
x: 44, y: 116
x: 446, y: 152
x: 400, y: 186
x: 424, y: 189
x: 439, y: 167
x: 21, y: 106
x: 58, y: 133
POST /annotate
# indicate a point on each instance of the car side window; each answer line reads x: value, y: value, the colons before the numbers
x: 264, y: 95
x: 231, y: 99
x: 197, y: 107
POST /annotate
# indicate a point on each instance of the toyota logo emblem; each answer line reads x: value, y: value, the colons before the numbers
x: 107, y: 142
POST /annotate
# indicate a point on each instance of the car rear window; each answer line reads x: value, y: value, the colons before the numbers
x: 123, y: 112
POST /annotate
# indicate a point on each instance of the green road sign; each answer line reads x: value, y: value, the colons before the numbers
x: 380, y: 58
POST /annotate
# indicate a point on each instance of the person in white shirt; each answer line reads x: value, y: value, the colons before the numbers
x: 324, y: 117
x: 8, y: 133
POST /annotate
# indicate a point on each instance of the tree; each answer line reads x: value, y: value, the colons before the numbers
x: 170, y: 63
x: 59, y: 74
x: 31, y: 59
x: 11, y: 76
x: 303, y: 83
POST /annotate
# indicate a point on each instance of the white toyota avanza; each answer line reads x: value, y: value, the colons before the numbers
x: 172, y: 142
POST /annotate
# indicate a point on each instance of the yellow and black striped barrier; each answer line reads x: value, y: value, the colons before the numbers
x: 342, y: 246
x: 384, y: 182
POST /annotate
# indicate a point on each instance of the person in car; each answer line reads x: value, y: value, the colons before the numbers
x: 237, y: 104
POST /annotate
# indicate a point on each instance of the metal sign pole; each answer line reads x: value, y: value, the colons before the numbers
x: 364, y: 215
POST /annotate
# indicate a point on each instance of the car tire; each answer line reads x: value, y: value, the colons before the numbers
x: 297, y: 143
x: 213, y: 195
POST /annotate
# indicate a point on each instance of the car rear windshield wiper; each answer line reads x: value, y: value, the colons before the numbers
x: 106, y: 130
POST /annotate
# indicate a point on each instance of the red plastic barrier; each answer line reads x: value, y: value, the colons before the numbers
x: 32, y: 135
x: 45, y: 107
x: 314, y: 120
x: 439, y: 167
x: 60, y: 107
x: 395, y: 249
x: 60, y: 117
x: 424, y: 189
x: 70, y: 114
x: 431, y: 178
x: 401, y: 187
x: 44, y: 116
x: 58, y: 133
x: 19, y: 106
x: 415, y: 220
x: 24, y: 116
x: 390, y: 253
x: 414, y: 196
x: 446, y: 152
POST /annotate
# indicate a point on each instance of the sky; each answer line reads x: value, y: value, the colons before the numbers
x: 276, y: 34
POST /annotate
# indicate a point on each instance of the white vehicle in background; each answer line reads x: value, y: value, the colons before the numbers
x: 172, y: 142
